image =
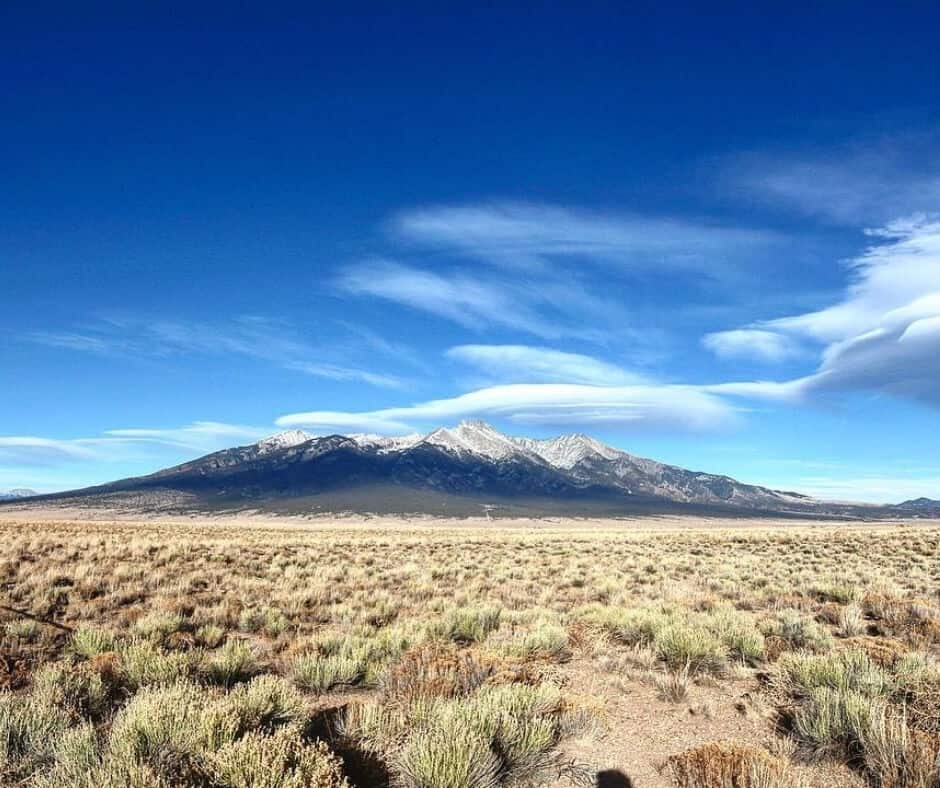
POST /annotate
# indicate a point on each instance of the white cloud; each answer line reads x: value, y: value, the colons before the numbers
x: 666, y: 407
x: 30, y: 450
x: 248, y: 336
x: 541, y: 268
x: 869, y: 489
x: 546, y: 309
x: 752, y: 343
x: 341, y: 373
x: 869, y: 181
x: 527, y: 235
x: 123, y: 444
x: 197, y: 435
x: 884, y: 335
x: 525, y: 363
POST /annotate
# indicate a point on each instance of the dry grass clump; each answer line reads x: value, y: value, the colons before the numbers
x: 466, y: 624
x: 705, y: 642
x: 434, y: 670
x: 494, y: 736
x: 848, y: 704
x: 898, y: 756
x: 184, y: 734
x: 801, y: 632
x: 729, y: 765
x: 279, y: 760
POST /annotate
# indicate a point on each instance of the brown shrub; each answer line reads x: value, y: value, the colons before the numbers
x: 884, y: 652
x: 774, y: 646
x: 727, y: 765
x: 434, y: 671
x: 923, y: 706
x: 829, y: 613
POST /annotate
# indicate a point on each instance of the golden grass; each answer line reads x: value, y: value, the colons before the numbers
x: 452, y: 649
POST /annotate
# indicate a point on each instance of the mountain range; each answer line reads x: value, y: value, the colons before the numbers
x: 466, y: 469
x: 17, y: 494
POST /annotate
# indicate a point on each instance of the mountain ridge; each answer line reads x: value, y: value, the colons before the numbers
x: 463, y: 467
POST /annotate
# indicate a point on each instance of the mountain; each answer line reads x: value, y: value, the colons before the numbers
x: 921, y: 507
x: 13, y: 495
x: 457, y: 470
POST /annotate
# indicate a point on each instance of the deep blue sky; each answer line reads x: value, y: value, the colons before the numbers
x: 704, y: 236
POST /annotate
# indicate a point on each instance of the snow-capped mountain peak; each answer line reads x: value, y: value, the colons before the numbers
x: 283, y: 440
x: 475, y: 437
x: 566, y: 451
x: 384, y: 444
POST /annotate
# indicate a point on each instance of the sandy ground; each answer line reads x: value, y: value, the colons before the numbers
x: 42, y: 514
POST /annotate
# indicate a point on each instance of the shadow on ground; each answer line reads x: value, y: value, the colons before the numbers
x: 613, y: 778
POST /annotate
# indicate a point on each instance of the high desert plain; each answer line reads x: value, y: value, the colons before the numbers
x: 386, y: 651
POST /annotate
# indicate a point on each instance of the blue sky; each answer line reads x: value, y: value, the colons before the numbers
x: 709, y: 238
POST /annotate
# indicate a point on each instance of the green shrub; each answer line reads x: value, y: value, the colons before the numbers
x: 545, y: 641
x: 680, y: 645
x: 28, y: 733
x: 466, y: 624
x: 89, y: 642
x: 162, y: 728
x: 449, y: 759
x: 144, y: 664
x: 318, y: 673
x: 447, y: 739
x: 738, y: 633
x: 802, y: 632
x: 23, y: 629
x: 158, y: 625
x: 845, y: 670
x: 210, y: 635
x: 77, y: 760
x: 77, y: 690
x: 235, y: 661
x: 279, y: 760
x: 835, y: 718
x: 264, y: 704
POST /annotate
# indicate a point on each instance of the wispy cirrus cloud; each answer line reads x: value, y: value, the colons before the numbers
x: 524, y: 363
x: 870, y: 180
x: 478, y: 301
x: 530, y: 235
x: 33, y: 450
x: 540, y: 268
x: 252, y: 337
x: 874, y: 488
x: 341, y: 373
x: 124, y: 444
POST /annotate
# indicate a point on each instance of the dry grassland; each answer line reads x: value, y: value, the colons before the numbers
x: 237, y: 654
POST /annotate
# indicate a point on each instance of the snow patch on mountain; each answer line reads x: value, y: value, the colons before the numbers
x: 384, y: 444
x: 566, y: 451
x: 283, y: 440
x: 476, y: 437
x: 19, y: 492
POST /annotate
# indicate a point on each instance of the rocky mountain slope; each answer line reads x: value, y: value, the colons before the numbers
x: 465, y: 467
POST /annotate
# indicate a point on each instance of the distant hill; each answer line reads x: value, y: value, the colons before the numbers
x: 467, y: 469
x: 922, y: 507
